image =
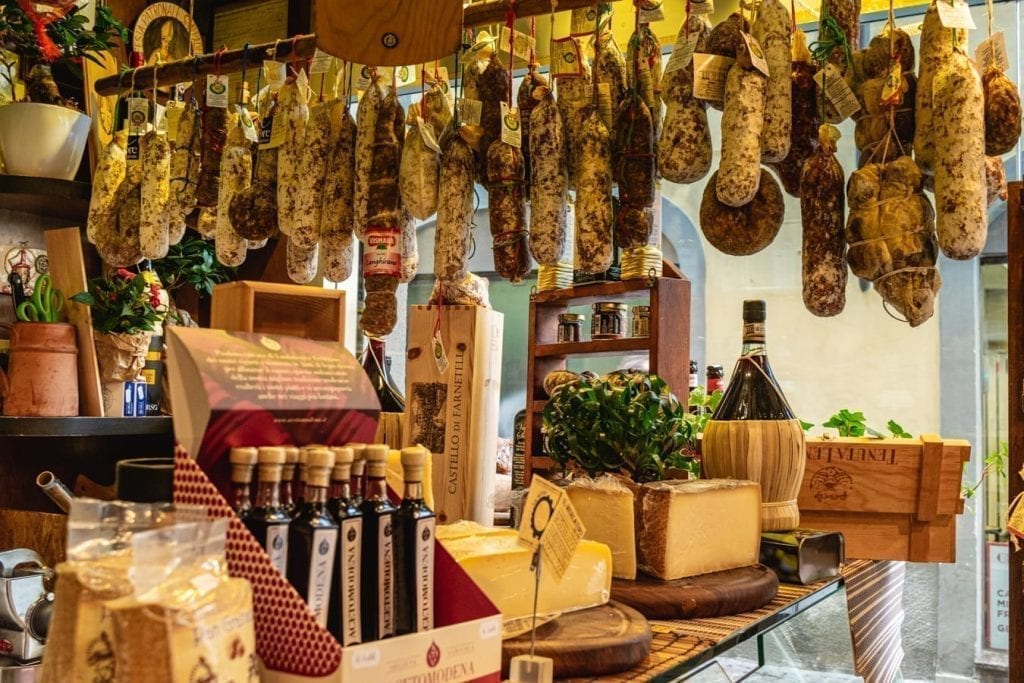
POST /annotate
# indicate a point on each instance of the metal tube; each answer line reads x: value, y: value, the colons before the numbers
x: 55, y: 489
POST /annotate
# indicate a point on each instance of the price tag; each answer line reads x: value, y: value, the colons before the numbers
x: 838, y: 91
x: 566, y: 58
x: 404, y: 75
x: 549, y: 519
x: 583, y: 21
x: 709, y: 74
x: 756, y: 53
x: 217, y: 91
x: 523, y: 47
x: 272, y: 131
x: 174, y: 111
x: 138, y: 115
x: 702, y: 6
x: 437, y: 349
x: 245, y: 121
x: 682, y: 52
x: 321, y: 63
x: 302, y: 85
x: 892, y: 90
x: 649, y: 16
x: 427, y: 133
x: 912, y: 29
x: 469, y: 111
x: 569, y: 255
x: 511, y: 126
x: 363, y: 79
x: 159, y: 117
x: 992, y: 52
x: 955, y: 14
x: 275, y: 74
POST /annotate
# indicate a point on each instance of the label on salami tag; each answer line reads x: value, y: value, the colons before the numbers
x: 511, y: 126
x: 245, y: 121
x: 892, y: 91
x: 272, y: 131
x: 912, y: 29
x: 955, y: 14
x: 566, y: 59
x: 275, y: 73
x: 756, y: 53
x: 427, y: 133
x: 649, y: 16
x: 523, y: 47
x: 583, y: 21
x: 838, y: 91
x: 992, y: 52
x: 138, y: 115
x: 160, y: 117
x: 217, y: 91
x: 438, y: 76
x: 682, y: 52
x: 469, y: 111
x: 709, y: 74
x: 404, y: 75
x: 383, y: 253
x: 437, y: 349
x: 702, y: 7
x: 173, y: 121
x: 321, y: 63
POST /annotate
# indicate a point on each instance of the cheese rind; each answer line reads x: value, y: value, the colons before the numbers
x: 605, y: 505
x: 698, y: 526
x: 500, y: 565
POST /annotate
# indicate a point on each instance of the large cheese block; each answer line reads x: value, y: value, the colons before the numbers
x: 605, y: 506
x: 500, y: 565
x: 698, y: 526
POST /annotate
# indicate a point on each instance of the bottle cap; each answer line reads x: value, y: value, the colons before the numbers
x: 358, y: 458
x: 343, y: 457
x: 377, y: 459
x: 291, y: 454
x: 243, y: 459
x: 414, y: 458
x: 754, y: 311
x: 319, y: 462
x: 271, y: 458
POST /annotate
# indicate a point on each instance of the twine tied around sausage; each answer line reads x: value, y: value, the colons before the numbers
x: 906, y: 269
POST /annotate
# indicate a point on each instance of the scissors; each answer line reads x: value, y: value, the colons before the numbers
x: 44, y: 305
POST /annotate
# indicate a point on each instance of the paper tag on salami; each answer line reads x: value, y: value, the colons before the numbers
x: 437, y: 349
x: 217, y: 91
x: 892, y: 90
x: 174, y: 120
x: 838, y: 91
x: 437, y: 76
x: 302, y: 85
x: 272, y: 131
x: 649, y: 16
x: 682, y: 52
x: 992, y: 52
x: 321, y: 63
x: 566, y: 58
x: 427, y: 134
x: 702, y: 6
x: 469, y: 111
x: 275, y: 74
x: 583, y: 21
x: 511, y: 126
x: 912, y: 29
x: 550, y: 521
x: 159, y: 117
x: 383, y: 253
x: 709, y: 74
x: 955, y: 14
x: 363, y: 78
x: 756, y: 53
x: 245, y: 121
x: 138, y: 115
x: 525, y: 45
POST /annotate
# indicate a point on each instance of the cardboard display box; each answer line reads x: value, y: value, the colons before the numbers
x: 893, y: 499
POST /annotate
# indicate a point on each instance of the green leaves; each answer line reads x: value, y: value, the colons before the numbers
x: 127, y: 302
x: 18, y: 33
x: 849, y: 423
x: 192, y: 261
x: 995, y: 463
x: 897, y: 431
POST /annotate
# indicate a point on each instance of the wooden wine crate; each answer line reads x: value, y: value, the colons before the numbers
x: 893, y: 499
x: 272, y: 308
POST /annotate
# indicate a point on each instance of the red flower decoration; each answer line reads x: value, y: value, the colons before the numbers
x: 126, y: 274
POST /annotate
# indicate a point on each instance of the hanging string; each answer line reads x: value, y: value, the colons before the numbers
x: 533, y: 45
x: 510, y: 22
x: 551, y: 41
x: 990, y: 7
x: 245, y: 63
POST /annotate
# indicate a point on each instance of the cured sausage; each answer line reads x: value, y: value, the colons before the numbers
x: 366, y: 122
x: 610, y: 71
x: 494, y: 87
x: 301, y: 263
x: 772, y: 31
x: 958, y: 119
x: 846, y: 14
x: 526, y: 102
x: 742, y: 230
x: 119, y: 246
x: 336, y: 250
x: 806, y: 116
x: 236, y: 175
x: 573, y: 95
x: 410, y: 249
x: 506, y: 198
x: 253, y: 210
x: 154, y: 237
x: 420, y: 169
x: 594, y: 194
x: 336, y: 224
x: 454, y: 210
x: 685, y: 148
x: 740, y: 171
x: 995, y: 178
x: 550, y: 183
x: 110, y: 173
x: 294, y: 114
x: 633, y: 169
x: 311, y: 177
x: 215, y: 121
x: 726, y: 40
x: 644, y: 71
x: 1002, y: 112
x: 185, y: 166
x: 936, y: 48
x: 822, y: 207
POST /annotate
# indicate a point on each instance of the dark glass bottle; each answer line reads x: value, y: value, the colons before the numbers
x: 375, y: 366
x: 694, y: 383
x: 358, y: 471
x: 268, y: 520
x: 414, y: 549
x: 344, y: 619
x: 518, y: 450
x: 299, y: 483
x: 291, y: 460
x: 378, y: 593
x: 753, y: 392
x: 243, y: 461
x: 313, y: 537
x: 716, y: 379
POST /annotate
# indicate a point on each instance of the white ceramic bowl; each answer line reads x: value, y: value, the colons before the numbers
x: 42, y: 140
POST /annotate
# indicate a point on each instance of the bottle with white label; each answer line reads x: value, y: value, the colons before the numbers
x: 414, y: 549
x: 268, y: 520
x: 291, y: 460
x: 358, y: 471
x: 343, y: 618
x: 243, y: 461
x: 378, y: 548
x: 313, y: 537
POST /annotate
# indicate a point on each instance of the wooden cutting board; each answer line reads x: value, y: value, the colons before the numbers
x: 699, y: 597
x: 592, y: 642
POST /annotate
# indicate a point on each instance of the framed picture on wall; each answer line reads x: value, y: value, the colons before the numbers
x: 99, y: 108
x: 164, y: 32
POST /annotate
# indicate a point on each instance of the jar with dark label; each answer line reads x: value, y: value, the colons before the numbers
x: 570, y: 327
x: 716, y: 378
x: 641, y: 321
x: 608, y: 320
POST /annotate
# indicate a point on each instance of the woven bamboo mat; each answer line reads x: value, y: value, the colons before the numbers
x: 678, y: 641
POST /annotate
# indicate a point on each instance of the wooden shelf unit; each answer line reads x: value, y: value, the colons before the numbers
x: 52, y: 197
x: 668, y: 346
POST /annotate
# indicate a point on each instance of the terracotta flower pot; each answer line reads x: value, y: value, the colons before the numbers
x: 43, y: 371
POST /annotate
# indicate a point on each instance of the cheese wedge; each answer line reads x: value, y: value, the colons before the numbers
x: 698, y: 526
x: 605, y: 506
x: 500, y: 566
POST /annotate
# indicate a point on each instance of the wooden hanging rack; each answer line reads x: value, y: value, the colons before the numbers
x: 299, y: 47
